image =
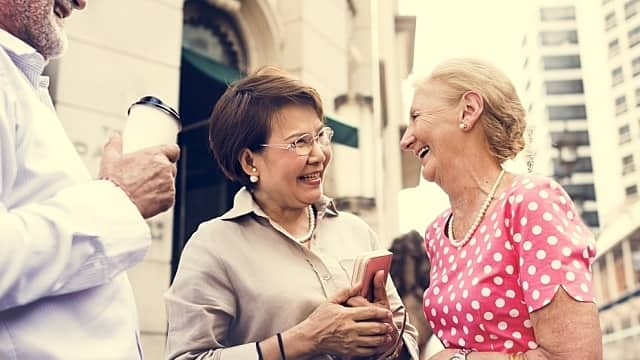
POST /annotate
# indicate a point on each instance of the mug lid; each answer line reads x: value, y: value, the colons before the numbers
x: 154, y: 101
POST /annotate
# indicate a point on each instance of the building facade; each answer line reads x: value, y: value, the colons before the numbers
x: 596, y: 97
x: 613, y: 30
x: 556, y: 107
x: 355, y: 52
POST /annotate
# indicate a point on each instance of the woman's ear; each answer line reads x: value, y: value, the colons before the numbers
x: 473, y: 106
x: 247, y: 162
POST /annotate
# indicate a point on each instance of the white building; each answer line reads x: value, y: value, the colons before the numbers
x: 606, y: 39
x: 355, y: 52
x: 555, y: 102
x: 613, y: 32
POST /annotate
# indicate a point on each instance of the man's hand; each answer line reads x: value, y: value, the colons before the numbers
x: 147, y: 176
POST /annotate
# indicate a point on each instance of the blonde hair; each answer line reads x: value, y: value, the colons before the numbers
x: 503, y: 117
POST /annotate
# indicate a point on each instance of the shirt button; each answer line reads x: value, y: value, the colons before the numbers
x: 327, y: 277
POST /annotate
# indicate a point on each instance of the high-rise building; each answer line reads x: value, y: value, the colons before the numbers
x: 611, y: 30
x: 553, y: 94
x: 583, y: 61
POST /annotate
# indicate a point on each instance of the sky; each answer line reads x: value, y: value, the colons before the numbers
x: 488, y: 29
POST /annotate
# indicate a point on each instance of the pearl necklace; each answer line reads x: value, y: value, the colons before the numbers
x: 312, y: 226
x: 479, y: 217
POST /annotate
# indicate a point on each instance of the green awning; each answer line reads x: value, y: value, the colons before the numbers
x: 343, y: 134
x: 213, y: 69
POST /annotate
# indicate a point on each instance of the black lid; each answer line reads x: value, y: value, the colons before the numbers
x: 154, y: 101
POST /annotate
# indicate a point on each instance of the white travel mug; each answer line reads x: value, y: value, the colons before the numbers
x: 151, y: 122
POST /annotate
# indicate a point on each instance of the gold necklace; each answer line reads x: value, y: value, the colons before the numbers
x: 479, y: 217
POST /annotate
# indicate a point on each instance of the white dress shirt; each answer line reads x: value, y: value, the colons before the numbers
x: 65, y: 239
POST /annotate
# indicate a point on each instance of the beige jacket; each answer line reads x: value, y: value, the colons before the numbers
x: 242, y: 279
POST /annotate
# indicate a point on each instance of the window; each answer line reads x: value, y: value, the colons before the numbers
x: 638, y: 97
x: 624, y: 134
x: 581, y: 192
x: 631, y: 8
x: 628, y: 165
x: 567, y: 112
x: 635, y: 257
x: 634, y: 36
x: 578, y: 138
x: 561, y: 62
x: 581, y: 165
x: 558, y: 37
x: 635, y: 66
x: 621, y: 105
x: 616, y: 76
x: 631, y: 191
x: 590, y: 218
x: 618, y: 266
x: 602, y: 269
x: 614, y: 47
x: 558, y: 13
x: 560, y: 87
x: 610, y: 21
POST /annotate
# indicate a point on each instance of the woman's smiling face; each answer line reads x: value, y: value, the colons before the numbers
x: 433, y: 134
x: 286, y: 178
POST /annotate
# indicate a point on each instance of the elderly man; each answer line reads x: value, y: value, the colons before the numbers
x: 65, y: 239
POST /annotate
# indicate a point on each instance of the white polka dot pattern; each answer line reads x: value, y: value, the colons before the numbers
x: 529, y: 243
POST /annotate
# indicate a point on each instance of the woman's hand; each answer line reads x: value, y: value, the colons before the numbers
x: 345, y: 331
x: 380, y: 300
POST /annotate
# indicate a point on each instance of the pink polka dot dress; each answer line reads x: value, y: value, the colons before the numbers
x: 527, y: 246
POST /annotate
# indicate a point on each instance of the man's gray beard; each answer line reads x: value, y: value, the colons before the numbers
x: 47, y: 39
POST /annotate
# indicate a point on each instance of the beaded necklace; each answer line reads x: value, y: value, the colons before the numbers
x: 312, y: 226
x: 479, y: 217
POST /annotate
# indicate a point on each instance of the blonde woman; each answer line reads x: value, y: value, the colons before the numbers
x: 511, y: 259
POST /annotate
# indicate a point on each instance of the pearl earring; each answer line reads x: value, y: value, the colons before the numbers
x: 253, y: 178
x: 463, y: 126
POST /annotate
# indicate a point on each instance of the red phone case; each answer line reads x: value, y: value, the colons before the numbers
x: 375, y: 264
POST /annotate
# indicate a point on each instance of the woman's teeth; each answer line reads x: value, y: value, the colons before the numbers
x: 310, y: 177
x: 423, y: 152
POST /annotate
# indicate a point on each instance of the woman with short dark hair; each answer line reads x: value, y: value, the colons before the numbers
x: 271, y: 277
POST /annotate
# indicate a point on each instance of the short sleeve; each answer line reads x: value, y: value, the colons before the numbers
x: 553, y: 245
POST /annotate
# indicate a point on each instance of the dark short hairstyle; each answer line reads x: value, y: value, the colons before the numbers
x: 242, y: 117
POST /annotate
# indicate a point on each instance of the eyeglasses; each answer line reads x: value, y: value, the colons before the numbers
x: 303, y: 145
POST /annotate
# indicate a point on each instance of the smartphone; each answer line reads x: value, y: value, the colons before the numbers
x: 366, y: 266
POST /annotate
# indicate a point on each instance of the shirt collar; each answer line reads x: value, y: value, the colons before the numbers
x: 244, y: 204
x: 26, y: 58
